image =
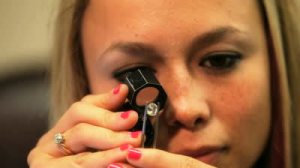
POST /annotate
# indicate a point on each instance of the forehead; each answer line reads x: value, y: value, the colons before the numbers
x: 136, y: 14
x: 168, y: 9
x: 134, y: 20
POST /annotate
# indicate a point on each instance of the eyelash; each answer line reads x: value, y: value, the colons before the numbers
x: 221, y: 61
x: 117, y: 74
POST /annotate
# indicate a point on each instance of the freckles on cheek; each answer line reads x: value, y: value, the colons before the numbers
x: 242, y: 105
x: 233, y: 98
x: 243, y: 110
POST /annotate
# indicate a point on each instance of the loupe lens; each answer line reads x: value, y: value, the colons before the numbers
x: 144, y: 88
x: 146, y: 95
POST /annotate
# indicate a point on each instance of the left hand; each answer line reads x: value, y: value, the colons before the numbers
x: 150, y: 158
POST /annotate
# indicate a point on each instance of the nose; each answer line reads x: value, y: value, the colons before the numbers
x: 187, y: 104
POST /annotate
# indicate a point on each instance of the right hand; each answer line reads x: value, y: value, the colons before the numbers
x: 89, y: 124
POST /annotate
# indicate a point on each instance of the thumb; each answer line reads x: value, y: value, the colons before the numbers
x: 149, y: 158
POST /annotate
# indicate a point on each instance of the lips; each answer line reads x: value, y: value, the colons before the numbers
x: 206, y: 154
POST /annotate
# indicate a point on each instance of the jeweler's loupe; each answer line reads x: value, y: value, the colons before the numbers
x: 148, y: 98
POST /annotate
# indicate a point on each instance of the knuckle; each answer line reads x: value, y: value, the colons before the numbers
x: 188, y: 163
x: 155, y: 155
x: 108, y: 134
x: 36, y: 164
x: 106, y: 118
x: 81, y: 159
x: 76, y: 110
x: 80, y: 134
x: 98, y: 100
x: 75, y: 107
x: 87, y: 98
x: 104, y: 154
x: 79, y: 129
x: 34, y: 161
x: 30, y: 159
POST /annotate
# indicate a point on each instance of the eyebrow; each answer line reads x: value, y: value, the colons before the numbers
x: 211, y: 37
x: 134, y: 49
x: 199, y: 42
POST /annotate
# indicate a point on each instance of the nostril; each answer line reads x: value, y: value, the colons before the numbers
x: 178, y: 124
x: 198, y: 121
x: 191, y: 125
x: 187, y: 114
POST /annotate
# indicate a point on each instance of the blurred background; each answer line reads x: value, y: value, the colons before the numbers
x: 26, y: 33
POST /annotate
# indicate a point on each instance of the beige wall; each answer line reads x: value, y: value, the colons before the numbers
x: 25, y: 34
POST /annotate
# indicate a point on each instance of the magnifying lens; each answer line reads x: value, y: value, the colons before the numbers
x: 148, y: 98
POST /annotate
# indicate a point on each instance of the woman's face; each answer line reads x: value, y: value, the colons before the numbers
x: 212, y: 60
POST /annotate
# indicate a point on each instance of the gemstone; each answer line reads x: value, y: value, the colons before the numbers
x: 58, y: 138
x: 152, y: 109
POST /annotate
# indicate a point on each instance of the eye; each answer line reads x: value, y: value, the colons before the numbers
x: 220, y: 61
x: 119, y: 73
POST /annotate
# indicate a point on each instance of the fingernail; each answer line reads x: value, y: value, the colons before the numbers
x: 135, y: 134
x: 124, y: 147
x: 117, y: 89
x: 125, y: 114
x: 134, y: 154
x: 114, y: 165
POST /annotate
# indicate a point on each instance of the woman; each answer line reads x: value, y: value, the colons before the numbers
x: 220, y: 63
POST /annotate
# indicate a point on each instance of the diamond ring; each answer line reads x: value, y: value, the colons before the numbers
x: 60, y: 141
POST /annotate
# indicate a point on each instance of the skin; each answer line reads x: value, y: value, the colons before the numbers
x: 222, y: 110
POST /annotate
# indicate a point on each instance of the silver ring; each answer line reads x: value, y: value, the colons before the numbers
x: 59, y: 139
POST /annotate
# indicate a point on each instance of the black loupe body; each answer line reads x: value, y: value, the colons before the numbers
x: 144, y: 89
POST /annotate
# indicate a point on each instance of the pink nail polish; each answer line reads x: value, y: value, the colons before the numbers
x: 135, y: 134
x: 116, y: 89
x: 114, y: 165
x: 125, y: 114
x: 124, y: 147
x: 134, y: 154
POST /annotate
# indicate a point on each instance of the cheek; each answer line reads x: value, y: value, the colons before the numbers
x: 243, y: 110
x: 243, y: 102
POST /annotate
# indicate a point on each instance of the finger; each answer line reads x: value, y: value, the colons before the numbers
x: 87, y: 113
x: 148, y: 158
x: 84, y: 160
x: 84, y: 136
x: 121, y: 121
x: 119, y: 165
x: 101, y: 159
x: 111, y: 100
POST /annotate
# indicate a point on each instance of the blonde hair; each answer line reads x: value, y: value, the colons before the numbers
x: 70, y: 84
x: 68, y: 78
x: 285, y: 32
